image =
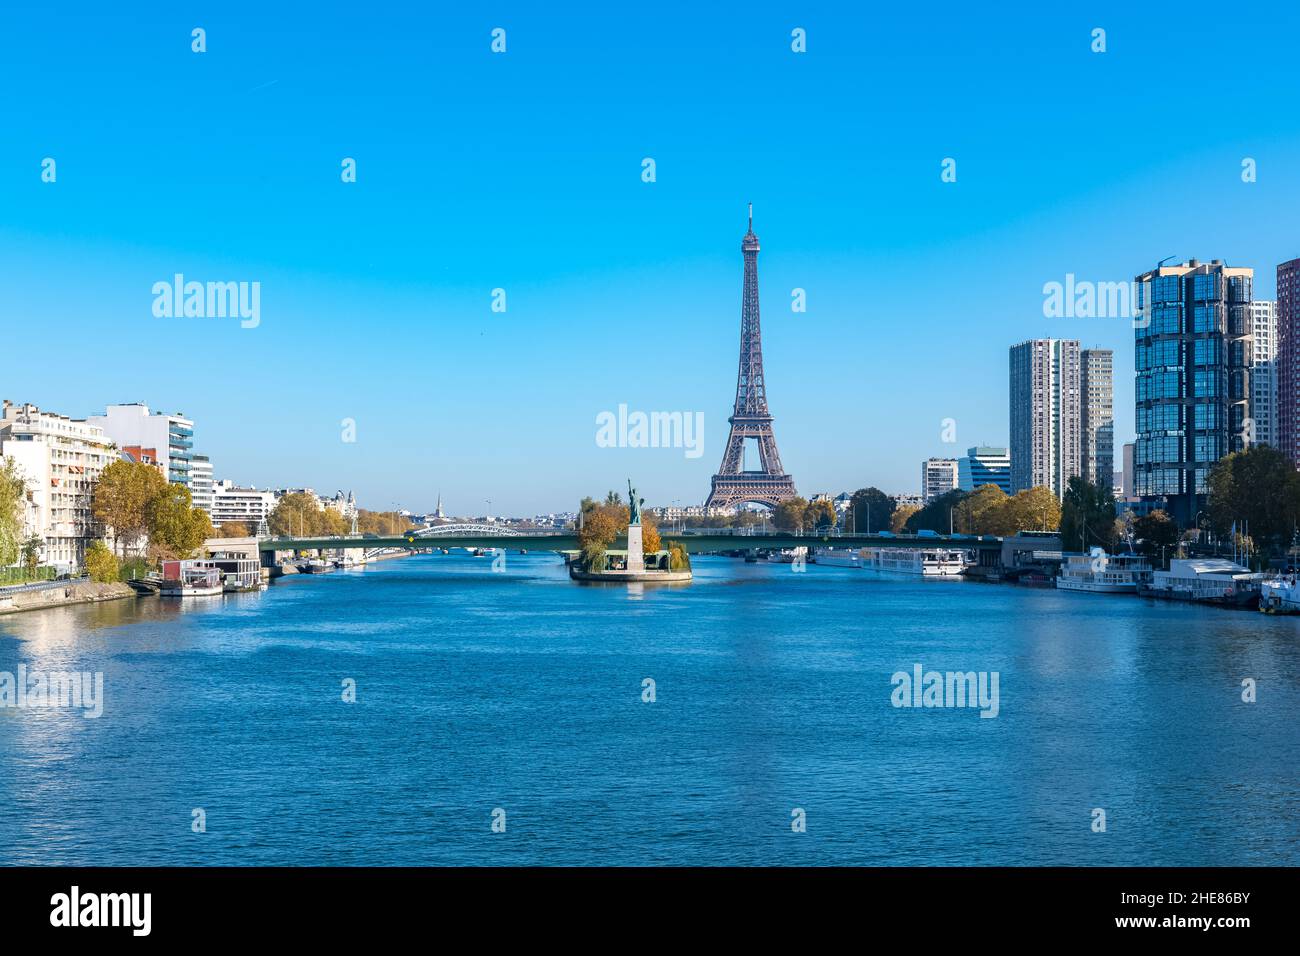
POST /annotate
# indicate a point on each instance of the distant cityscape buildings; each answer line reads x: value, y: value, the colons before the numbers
x: 1192, y: 353
x: 985, y: 465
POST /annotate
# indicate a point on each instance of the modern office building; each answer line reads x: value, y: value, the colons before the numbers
x: 1263, y: 374
x: 60, y: 459
x: 1287, y: 367
x: 1097, y: 405
x: 1193, y: 352
x: 247, y: 505
x: 171, y: 435
x: 984, y: 465
x: 1046, y: 414
x: 201, y: 486
x: 938, y: 477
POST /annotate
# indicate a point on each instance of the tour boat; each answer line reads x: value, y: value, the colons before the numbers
x: 928, y: 562
x: 1280, y: 595
x: 1104, y: 574
x: 787, y: 556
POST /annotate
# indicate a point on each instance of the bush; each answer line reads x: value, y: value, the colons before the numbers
x: 101, y: 563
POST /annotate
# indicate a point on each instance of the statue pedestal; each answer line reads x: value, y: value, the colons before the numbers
x: 635, y: 559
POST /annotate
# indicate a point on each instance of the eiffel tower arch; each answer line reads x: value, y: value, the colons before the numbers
x: 750, y: 419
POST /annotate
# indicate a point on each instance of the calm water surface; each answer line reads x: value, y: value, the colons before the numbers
x: 522, y: 691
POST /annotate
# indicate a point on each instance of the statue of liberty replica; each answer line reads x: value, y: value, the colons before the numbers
x: 635, y: 557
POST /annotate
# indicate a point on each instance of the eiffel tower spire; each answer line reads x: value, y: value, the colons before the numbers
x: 750, y: 418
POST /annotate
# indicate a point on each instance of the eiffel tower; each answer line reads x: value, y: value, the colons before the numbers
x: 732, y: 485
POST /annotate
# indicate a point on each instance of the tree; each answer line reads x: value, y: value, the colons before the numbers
x: 898, y: 522
x: 983, y: 511
x: 820, y: 515
x: 1156, y: 533
x: 649, y: 534
x: 176, y: 527
x: 1257, y: 488
x: 1087, y: 516
x: 233, y: 529
x: 121, y: 499
x: 101, y: 563
x: 602, y: 525
x: 870, y: 509
x: 790, y: 515
x: 368, y: 522
x: 13, y: 497
x: 32, y: 553
x: 1034, y: 509
x: 678, y: 559
x: 935, y: 515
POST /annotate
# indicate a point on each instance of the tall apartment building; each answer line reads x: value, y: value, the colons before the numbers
x: 60, y: 459
x: 984, y: 465
x: 1287, y: 313
x: 1193, y: 352
x: 1097, y: 438
x: 1263, y: 374
x: 171, y: 435
x: 1046, y: 414
x: 201, y: 485
x: 938, y: 477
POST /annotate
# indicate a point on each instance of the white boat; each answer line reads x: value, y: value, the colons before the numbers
x: 240, y: 574
x: 787, y: 556
x: 1280, y: 595
x: 838, y: 558
x: 1103, y: 573
x: 928, y: 562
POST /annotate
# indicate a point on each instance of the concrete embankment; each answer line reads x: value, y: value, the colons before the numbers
x: 74, y: 592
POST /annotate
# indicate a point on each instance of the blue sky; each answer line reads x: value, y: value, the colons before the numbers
x: 523, y: 171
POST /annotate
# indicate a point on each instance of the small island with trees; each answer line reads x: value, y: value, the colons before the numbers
x: 642, y: 560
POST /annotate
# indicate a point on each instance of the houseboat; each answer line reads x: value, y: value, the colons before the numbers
x: 787, y: 555
x: 1104, y: 574
x: 1207, y: 580
x: 927, y: 562
x: 190, y: 579
x: 240, y: 574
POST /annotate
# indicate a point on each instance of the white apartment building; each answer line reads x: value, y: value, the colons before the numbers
x: 1046, y: 414
x: 61, y: 459
x: 171, y: 436
x: 938, y: 477
x: 1263, y: 374
x: 201, y: 485
x: 248, y: 505
x: 345, y: 505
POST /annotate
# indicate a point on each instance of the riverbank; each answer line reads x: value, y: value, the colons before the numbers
x: 60, y: 594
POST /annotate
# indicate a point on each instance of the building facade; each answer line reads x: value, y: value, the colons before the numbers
x: 171, y: 435
x: 938, y: 477
x: 60, y: 460
x: 1286, y: 421
x: 1097, y: 407
x: 1262, y: 419
x: 1193, y: 352
x: 247, y: 505
x: 1046, y: 414
x: 201, y: 484
x: 984, y: 465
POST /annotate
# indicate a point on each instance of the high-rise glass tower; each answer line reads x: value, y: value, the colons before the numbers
x: 1288, y: 360
x: 1193, y: 352
x: 1263, y: 374
x: 1046, y: 417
